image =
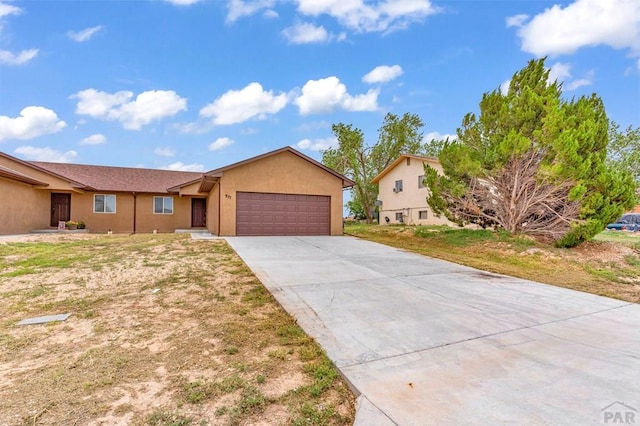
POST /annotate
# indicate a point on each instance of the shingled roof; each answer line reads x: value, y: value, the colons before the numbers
x: 120, y: 179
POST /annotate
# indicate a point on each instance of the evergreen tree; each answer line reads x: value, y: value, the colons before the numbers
x: 532, y: 163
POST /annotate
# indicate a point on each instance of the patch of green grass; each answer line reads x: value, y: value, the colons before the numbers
x: 324, y: 374
x: 309, y: 352
x: 231, y: 350
x: 632, y: 260
x: 313, y: 415
x: 627, y: 238
x: 164, y: 418
x: 38, y: 256
x: 292, y: 334
x: 252, y: 401
x: 230, y: 383
x: 257, y: 296
x: 195, y: 392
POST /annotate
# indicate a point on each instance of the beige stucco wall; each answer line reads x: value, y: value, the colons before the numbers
x: 213, y: 205
x: 24, y: 208
x: 283, y: 173
x: 122, y: 220
x: 411, y: 200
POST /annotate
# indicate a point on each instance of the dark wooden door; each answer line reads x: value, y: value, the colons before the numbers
x: 282, y: 214
x: 60, y: 208
x: 198, y: 212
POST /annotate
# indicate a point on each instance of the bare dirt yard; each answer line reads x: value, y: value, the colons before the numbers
x: 164, y: 330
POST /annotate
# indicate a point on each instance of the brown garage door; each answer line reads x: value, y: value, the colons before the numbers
x: 260, y: 213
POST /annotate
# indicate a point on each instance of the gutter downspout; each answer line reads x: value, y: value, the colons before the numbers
x: 134, y: 212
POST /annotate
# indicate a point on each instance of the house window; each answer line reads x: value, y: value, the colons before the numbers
x: 423, y: 214
x: 162, y: 205
x: 421, y: 182
x: 103, y: 203
x: 398, y: 186
x: 399, y: 217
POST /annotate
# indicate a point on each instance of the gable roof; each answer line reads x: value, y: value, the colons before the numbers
x: 120, y: 179
x: 399, y: 160
x: 212, y: 176
x: 20, y: 177
x: 346, y: 182
x: 33, y: 166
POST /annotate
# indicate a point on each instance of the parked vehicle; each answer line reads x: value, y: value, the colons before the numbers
x: 628, y: 222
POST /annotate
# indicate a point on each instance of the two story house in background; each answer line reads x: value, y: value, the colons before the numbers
x: 402, y: 194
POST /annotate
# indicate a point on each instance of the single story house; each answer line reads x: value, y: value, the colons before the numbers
x: 402, y: 194
x: 282, y: 192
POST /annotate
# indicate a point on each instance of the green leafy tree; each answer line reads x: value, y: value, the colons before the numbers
x: 624, y: 150
x: 434, y: 147
x: 361, y: 162
x: 532, y: 163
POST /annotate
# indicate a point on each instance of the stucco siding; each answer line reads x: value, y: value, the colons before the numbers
x: 213, y: 210
x: 283, y: 173
x: 411, y: 200
x: 24, y: 209
x: 122, y: 220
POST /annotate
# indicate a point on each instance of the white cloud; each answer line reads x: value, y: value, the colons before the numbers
x: 517, y: 20
x: 10, y: 58
x: 8, y: 9
x: 369, y: 16
x: 33, y: 121
x: 237, y: 106
x: 164, y: 152
x: 84, y: 35
x: 320, y: 144
x: 559, y: 71
x: 270, y: 14
x: 220, y: 143
x: 562, y: 73
x: 574, y: 84
x: 180, y: 166
x: 438, y: 136
x: 46, y: 154
x: 558, y: 30
x: 305, y: 33
x: 383, y: 74
x: 182, y: 2
x: 329, y: 93
x: 240, y: 8
x: 504, y: 87
x: 96, y: 139
x: 133, y: 114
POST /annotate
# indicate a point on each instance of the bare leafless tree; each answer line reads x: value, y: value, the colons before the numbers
x: 519, y: 199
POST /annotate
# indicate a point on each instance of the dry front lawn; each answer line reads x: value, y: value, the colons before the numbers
x: 609, y: 265
x: 164, y: 330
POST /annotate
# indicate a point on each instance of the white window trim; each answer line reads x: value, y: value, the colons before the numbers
x: 153, y: 207
x: 115, y: 203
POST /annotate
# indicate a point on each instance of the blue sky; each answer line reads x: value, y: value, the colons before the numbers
x: 194, y: 85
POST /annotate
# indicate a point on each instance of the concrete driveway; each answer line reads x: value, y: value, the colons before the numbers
x: 429, y: 342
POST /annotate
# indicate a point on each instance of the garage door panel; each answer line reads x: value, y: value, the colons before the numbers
x: 282, y: 214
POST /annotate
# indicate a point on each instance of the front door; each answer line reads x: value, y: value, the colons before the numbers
x: 198, y: 212
x: 60, y: 208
